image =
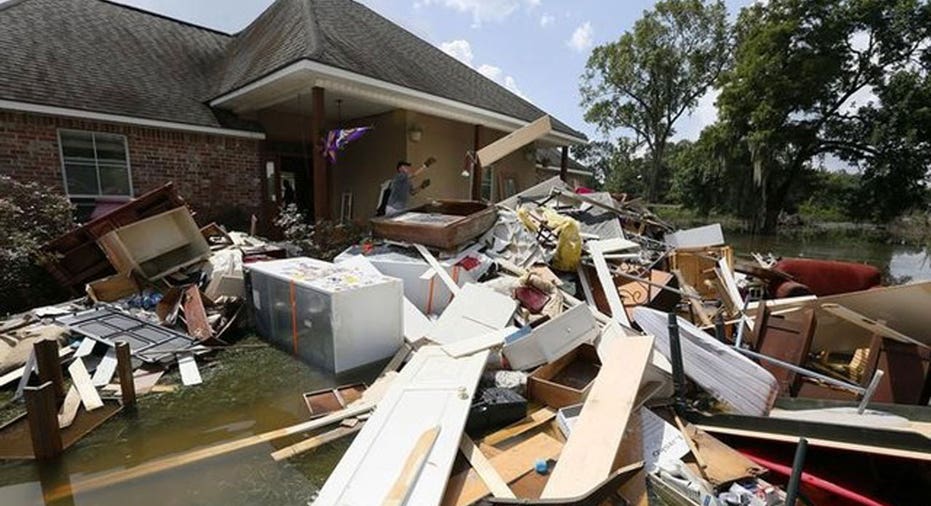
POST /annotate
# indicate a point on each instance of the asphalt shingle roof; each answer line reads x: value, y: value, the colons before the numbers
x: 99, y: 56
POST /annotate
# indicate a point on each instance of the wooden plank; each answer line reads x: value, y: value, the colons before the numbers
x: 85, y: 348
x: 590, y: 453
x: 479, y: 343
x: 195, y: 316
x: 82, y: 381
x: 432, y: 390
x: 514, y: 141
x: 315, y: 442
x: 105, y: 369
x: 124, y: 366
x: 477, y: 311
x: 489, y: 475
x: 43, y: 421
x: 410, y: 471
x: 28, y: 369
x: 190, y: 375
x: 536, y: 419
x: 468, y: 487
x: 69, y: 409
x: 598, y: 249
x: 869, y: 324
x: 49, y: 365
x: 440, y: 271
x: 17, y: 374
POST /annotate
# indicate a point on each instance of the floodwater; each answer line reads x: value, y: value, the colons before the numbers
x: 245, y: 392
x: 899, y: 263
x: 254, y: 390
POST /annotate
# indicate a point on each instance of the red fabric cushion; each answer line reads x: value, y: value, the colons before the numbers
x: 827, y: 277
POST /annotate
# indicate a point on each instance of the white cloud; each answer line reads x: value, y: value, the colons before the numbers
x: 462, y: 50
x: 482, y: 10
x: 546, y: 20
x: 459, y: 49
x: 582, y: 37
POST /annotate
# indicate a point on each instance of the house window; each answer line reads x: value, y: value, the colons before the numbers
x: 488, y: 184
x: 94, y: 164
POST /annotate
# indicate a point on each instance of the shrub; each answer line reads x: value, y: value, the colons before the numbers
x: 30, y: 216
x: 322, y: 240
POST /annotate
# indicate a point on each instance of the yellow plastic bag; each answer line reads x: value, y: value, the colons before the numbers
x: 569, y: 246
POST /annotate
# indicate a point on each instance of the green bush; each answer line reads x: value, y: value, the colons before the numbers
x: 30, y: 216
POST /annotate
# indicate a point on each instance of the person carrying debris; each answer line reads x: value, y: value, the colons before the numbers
x: 401, y: 189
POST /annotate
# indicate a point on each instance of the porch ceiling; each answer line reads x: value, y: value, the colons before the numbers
x: 337, y: 106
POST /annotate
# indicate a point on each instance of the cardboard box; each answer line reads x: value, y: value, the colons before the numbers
x: 567, y: 380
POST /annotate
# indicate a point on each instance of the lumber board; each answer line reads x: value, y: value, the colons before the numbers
x: 433, y: 389
x: 411, y: 469
x: 869, y: 324
x: 190, y: 374
x: 315, y: 442
x: 82, y: 381
x: 195, y: 316
x: 85, y: 348
x: 440, y: 271
x: 28, y: 369
x: 536, y: 419
x: 591, y: 451
x: 468, y: 487
x: 17, y: 374
x: 478, y: 343
x: 481, y: 465
x: 598, y: 249
x: 514, y: 141
x: 69, y: 408
x: 105, y: 369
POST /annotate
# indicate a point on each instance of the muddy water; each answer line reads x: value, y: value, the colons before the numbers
x: 899, y: 263
x: 244, y: 393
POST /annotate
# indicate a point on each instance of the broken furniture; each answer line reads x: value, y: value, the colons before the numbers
x: 75, y: 258
x: 156, y: 246
x: 329, y: 400
x: 443, y: 224
x: 334, y: 317
x: 786, y: 338
x: 565, y: 381
x: 697, y: 265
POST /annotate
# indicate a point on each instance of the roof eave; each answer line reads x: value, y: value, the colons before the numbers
x: 305, y: 71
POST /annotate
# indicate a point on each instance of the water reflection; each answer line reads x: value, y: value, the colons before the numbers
x: 244, y: 393
x: 899, y: 263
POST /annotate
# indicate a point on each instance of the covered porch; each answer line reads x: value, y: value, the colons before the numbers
x: 298, y: 105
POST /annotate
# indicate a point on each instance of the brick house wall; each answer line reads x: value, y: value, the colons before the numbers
x: 217, y: 175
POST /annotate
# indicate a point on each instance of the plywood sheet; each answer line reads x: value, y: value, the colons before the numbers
x: 433, y: 389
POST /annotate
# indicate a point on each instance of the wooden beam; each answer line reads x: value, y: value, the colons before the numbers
x: 440, y: 271
x: 124, y: 368
x: 411, y: 469
x: 564, y: 164
x: 82, y: 381
x: 49, y: 365
x: 536, y: 419
x: 315, y: 442
x: 476, y: 167
x: 590, y: 452
x: 514, y: 141
x: 43, y: 421
x: 321, y: 183
x: 489, y: 475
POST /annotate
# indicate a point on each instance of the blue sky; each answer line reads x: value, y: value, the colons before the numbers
x: 537, y: 48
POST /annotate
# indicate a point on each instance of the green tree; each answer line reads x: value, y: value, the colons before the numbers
x: 655, y: 73
x: 800, y: 66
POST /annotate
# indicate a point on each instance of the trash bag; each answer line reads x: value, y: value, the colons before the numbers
x: 569, y: 246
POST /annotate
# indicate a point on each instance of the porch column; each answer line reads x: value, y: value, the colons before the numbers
x: 476, y: 168
x: 319, y: 176
x: 564, y: 164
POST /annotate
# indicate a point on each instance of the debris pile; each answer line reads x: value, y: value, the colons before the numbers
x: 159, y: 293
x: 558, y: 348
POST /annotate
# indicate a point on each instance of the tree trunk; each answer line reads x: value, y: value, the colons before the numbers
x: 656, y: 169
